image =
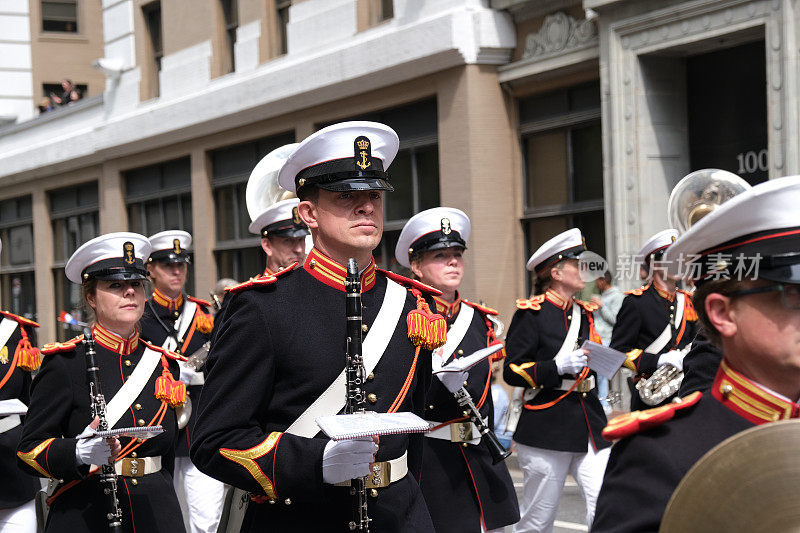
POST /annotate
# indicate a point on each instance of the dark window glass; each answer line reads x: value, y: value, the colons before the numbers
x: 19, y: 293
x: 727, y: 109
x: 241, y: 264
x: 561, y: 102
x: 159, y: 197
x: 60, y: 15
x: 152, y: 19
x: 428, y: 177
x: 587, y: 162
x: 282, y: 8
x: 231, y: 15
x: 17, y: 257
x: 387, y: 9
x: 546, y: 168
x: 399, y: 204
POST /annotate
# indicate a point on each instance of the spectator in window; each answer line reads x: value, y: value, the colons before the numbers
x: 70, y: 93
x: 608, y: 303
x: 45, y: 105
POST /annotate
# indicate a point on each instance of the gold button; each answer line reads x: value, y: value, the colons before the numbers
x: 140, y: 422
x: 288, y: 501
x: 464, y: 444
x: 430, y: 408
x: 138, y: 407
x: 671, y: 307
x: 583, y: 394
x: 134, y: 455
x: 364, y: 328
x: 272, y: 502
x: 671, y: 315
x: 373, y: 493
x: 127, y: 362
x: 134, y: 482
x: 726, y: 390
x: 371, y: 376
x: 312, y: 263
x: 460, y: 352
x: 372, y: 397
x: 465, y: 383
x: 188, y: 392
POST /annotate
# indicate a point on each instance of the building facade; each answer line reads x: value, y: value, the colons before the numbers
x: 531, y: 116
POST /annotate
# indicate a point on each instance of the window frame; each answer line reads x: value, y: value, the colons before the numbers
x: 77, y: 21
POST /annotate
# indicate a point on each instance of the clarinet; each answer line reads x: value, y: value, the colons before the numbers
x: 488, y: 437
x: 356, y: 399
x: 108, y: 476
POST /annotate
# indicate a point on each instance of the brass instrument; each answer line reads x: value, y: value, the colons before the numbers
x: 108, y: 476
x: 695, y: 196
x: 356, y: 400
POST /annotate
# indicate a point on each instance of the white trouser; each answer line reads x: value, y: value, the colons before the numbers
x: 203, y: 496
x: 20, y: 519
x: 544, y: 473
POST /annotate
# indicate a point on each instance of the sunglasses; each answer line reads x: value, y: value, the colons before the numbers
x: 790, y: 293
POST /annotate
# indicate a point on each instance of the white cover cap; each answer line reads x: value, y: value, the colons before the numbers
x: 568, y: 244
x: 111, y: 256
x: 334, y: 150
x: 171, y: 245
x: 262, y: 190
x: 432, y: 229
x: 763, y: 220
x: 660, y: 241
x: 280, y: 219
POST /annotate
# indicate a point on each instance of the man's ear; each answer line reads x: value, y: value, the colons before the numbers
x: 150, y: 268
x: 415, y: 269
x: 721, y: 313
x: 266, y: 246
x: 556, y: 274
x: 308, y: 213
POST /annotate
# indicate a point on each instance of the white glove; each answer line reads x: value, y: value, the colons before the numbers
x: 572, y: 362
x: 453, y: 381
x: 347, y: 459
x: 672, y: 357
x: 92, y: 450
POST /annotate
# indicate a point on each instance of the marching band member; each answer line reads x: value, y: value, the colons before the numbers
x: 457, y: 469
x: 744, y: 260
x: 137, y: 380
x: 279, y: 348
x: 182, y: 324
x: 273, y: 212
x: 656, y: 323
x: 558, y: 432
x: 18, y: 358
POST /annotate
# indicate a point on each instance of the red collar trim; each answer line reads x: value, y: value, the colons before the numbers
x: 748, y: 399
x: 331, y: 273
x: 670, y: 296
x: 165, y: 301
x: 447, y: 309
x: 554, y: 298
x: 115, y: 343
x: 268, y: 272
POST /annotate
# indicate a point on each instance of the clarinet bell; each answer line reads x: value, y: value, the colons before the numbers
x: 496, y: 449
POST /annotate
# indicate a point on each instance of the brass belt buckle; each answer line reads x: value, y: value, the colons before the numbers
x: 380, y: 475
x: 585, y: 386
x: 460, y: 432
x: 132, y: 467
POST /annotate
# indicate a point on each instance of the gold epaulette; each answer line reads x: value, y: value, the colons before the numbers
x: 637, y: 421
x: 59, y: 347
x: 533, y: 303
x: 639, y: 291
x: 21, y: 320
x: 409, y: 283
x: 164, y: 351
x: 589, y: 306
x: 199, y: 301
x: 483, y: 309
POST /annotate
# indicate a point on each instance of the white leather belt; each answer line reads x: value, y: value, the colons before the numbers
x: 456, y: 432
x: 585, y: 386
x: 383, y: 473
x: 137, y: 467
x: 9, y: 422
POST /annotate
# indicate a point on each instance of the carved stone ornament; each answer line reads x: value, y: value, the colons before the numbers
x: 559, y: 33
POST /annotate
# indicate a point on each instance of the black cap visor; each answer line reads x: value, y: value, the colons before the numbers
x: 357, y: 184
x: 784, y: 268
x: 116, y: 273
x: 291, y: 233
x: 170, y: 258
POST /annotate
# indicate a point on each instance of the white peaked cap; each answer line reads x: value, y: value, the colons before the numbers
x: 568, y: 244
x: 432, y: 229
x: 116, y: 255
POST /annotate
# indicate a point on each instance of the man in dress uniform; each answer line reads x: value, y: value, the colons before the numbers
x: 745, y: 262
x: 18, y: 358
x: 273, y: 212
x: 457, y: 470
x: 280, y: 353
x: 182, y: 324
x: 656, y: 323
x: 559, y: 427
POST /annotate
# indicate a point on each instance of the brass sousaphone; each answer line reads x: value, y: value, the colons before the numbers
x: 695, y: 196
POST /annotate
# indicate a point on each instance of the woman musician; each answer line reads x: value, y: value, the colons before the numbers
x: 465, y: 492
x: 139, y: 390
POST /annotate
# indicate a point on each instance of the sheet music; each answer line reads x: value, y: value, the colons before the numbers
x: 604, y: 360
